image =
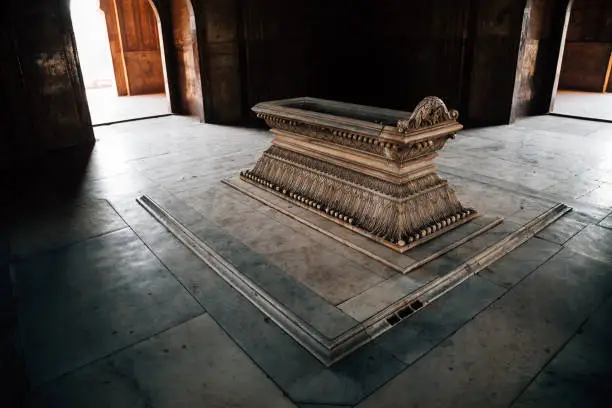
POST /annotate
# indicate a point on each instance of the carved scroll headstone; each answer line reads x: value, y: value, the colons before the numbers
x: 369, y: 169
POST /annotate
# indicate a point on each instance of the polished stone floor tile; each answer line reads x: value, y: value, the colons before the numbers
x: 105, y: 162
x: 195, y: 364
x: 61, y: 225
x: 246, y: 235
x: 491, y: 200
x: 606, y: 222
x: 510, y: 269
x: 602, y: 174
x: 287, y: 229
x: 601, y: 196
x: 443, y: 241
x: 503, y: 197
x: 278, y: 283
x: 264, y: 234
x: 82, y: 302
x: 568, y: 126
x: 593, y: 241
x: 284, y: 360
x: 130, y: 184
x: 573, y: 187
x: 448, y: 262
x: 439, y: 267
x: 579, y: 376
x: 349, y: 380
x: 511, y: 172
x: 275, y: 352
x: 490, y: 360
x: 223, y: 205
x: 565, y: 228
x: 371, y: 264
x: 484, y: 241
x: 334, y: 278
x: 420, y: 333
x: 378, y: 297
x: 490, y: 356
x: 595, y: 105
x: 598, y: 330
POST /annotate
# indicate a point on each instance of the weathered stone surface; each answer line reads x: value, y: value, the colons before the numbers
x: 564, y: 229
x: 489, y: 361
x: 63, y: 224
x: 193, y: 364
x: 107, y: 292
x: 580, y: 374
x: 376, y: 298
x: 421, y: 333
x: 510, y: 269
x: 190, y: 158
x: 593, y: 241
x: 606, y: 222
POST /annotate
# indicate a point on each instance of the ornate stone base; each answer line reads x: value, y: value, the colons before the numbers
x: 374, y: 178
x: 290, y: 291
x: 401, y: 220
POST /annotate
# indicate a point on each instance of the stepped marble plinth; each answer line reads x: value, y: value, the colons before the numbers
x: 370, y: 169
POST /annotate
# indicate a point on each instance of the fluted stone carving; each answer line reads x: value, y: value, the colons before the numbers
x: 367, y: 168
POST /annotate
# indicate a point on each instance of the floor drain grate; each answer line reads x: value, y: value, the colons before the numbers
x: 393, y: 320
x: 406, y: 311
x: 416, y: 305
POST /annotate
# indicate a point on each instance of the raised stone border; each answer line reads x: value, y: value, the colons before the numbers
x: 259, y: 195
x: 329, y: 350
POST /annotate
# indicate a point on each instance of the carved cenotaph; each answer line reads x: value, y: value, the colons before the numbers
x: 368, y: 169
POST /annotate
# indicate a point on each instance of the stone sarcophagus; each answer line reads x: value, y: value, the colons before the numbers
x: 369, y: 169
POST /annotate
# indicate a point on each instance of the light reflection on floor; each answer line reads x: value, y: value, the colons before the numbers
x: 584, y: 104
x: 106, y: 107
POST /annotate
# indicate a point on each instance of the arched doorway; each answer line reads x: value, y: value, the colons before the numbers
x: 583, y: 82
x: 121, y: 58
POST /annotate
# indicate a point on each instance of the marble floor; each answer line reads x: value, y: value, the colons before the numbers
x: 590, y: 105
x: 106, y: 107
x: 111, y: 310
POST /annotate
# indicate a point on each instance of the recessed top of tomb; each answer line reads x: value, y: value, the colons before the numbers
x: 430, y: 118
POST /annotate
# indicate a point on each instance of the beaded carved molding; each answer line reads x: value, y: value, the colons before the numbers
x: 368, y: 168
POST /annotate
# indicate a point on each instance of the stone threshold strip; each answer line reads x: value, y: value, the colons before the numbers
x: 331, y: 215
x: 327, y: 350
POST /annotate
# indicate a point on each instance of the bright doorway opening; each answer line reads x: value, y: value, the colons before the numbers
x: 120, y: 55
x: 585, y: 79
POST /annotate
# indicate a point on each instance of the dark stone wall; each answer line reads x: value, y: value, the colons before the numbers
x: 541, y: 43
x: 584, y: 66
x: 187, y: 56
x: 493, y: 61
x: 390, y: 54
x: 588, y: 46
x: 43, y: 100
x: 416, y: 49
x: 218, y: 29
x: 288, y: 47
x: 590, y: 21
x: 496, y: 33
